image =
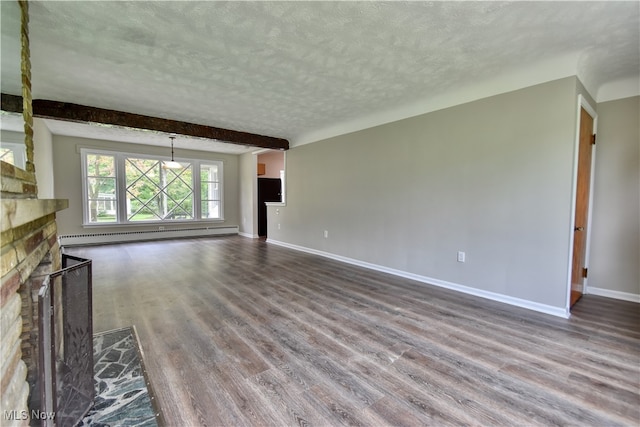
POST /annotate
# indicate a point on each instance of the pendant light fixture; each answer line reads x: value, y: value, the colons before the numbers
x: 172, y: 164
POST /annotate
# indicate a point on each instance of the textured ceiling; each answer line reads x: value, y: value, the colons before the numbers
x: 307, y: 70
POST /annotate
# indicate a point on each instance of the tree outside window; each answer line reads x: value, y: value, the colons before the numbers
x: 157, y: 193
x: 121, y: 188
x: 101, y: 188
x: 210, y: 191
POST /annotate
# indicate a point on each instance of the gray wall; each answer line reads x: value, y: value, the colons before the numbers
x: 68, y: 180
x: 492, y: 178
x: 614, y: 262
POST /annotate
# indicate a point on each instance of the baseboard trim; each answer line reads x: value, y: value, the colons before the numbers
x: 625, y: 296
x: 137, y: 236
x: 250, y: 236
x: 518, y: 302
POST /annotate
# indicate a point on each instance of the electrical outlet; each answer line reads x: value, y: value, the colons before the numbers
x: 278, y: 226
x: 326, y: 234
x: 161, y: 228
x: 461, y: 256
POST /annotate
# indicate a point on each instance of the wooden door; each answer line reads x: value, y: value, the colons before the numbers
x: 578, y: 271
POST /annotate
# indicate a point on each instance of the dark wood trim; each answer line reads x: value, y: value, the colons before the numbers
x: 11, y: 103
x: 84, y: 114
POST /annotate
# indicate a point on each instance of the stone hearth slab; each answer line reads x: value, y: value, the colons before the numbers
x: 122, y: 397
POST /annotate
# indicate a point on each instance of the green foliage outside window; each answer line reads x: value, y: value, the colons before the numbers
x: 101, y: 188
x: 121, y: 188
x: 157, y: 193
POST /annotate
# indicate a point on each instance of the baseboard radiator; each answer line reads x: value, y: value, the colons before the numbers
x: 136, y: 236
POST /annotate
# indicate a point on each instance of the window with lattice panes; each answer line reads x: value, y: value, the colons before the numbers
x: 123, y: 188
x: 155, y: 192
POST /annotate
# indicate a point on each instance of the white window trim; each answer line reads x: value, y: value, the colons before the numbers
x: 121, y: 221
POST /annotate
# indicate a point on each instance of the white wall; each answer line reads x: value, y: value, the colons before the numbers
x: 492, y: 178
x: 614, y: 262
x: 68, y: 181
x: 43, y: 159
x: 248, y: 195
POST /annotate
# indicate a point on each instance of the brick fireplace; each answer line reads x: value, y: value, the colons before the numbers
x: 29, y: 251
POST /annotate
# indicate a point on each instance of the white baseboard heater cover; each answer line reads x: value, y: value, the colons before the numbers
x: 134, y: 236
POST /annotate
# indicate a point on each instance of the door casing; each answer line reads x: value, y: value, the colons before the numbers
x: 583, y: 103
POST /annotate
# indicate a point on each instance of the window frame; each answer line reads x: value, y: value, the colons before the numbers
x: 19, y: 152
x: 121, y: 188
x: 219, y: 182
x: 85, y: 189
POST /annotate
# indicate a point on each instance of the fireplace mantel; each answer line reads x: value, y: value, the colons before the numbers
x: 17, y: 212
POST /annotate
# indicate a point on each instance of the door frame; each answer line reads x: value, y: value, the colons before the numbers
x: 582, y: 103
x: 255, y: 188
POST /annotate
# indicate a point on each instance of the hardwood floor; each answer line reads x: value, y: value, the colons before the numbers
x: 239, y: 332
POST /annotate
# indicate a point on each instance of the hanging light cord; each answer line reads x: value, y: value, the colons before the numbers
x: 172, y: 138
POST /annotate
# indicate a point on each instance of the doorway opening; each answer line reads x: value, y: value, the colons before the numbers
x: 271, y: 188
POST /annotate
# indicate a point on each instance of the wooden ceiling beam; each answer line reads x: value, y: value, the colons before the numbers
x: 11, y: 103
x: 83, y: 114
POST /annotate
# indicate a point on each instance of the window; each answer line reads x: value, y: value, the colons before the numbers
x: 122, y: 188
x: 101, y: 188
x: 210, y: 191
x: 155, y: 192
x: 13, y: 153
x: 6, y: 155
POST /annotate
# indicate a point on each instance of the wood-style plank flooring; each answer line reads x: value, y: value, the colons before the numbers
x: 240, y: 332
